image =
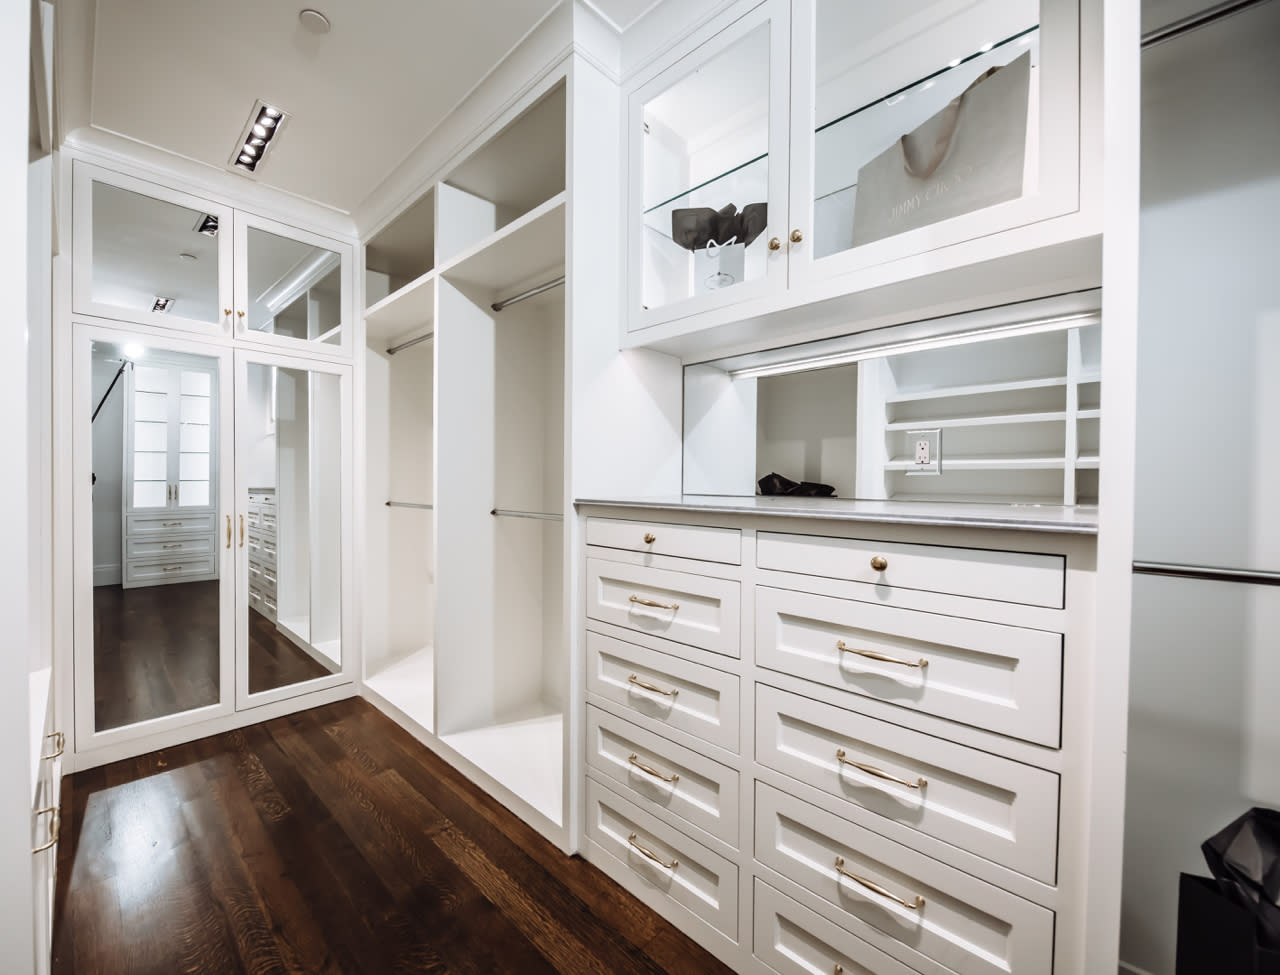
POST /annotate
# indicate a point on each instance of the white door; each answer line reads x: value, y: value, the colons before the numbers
x: 294, y: 481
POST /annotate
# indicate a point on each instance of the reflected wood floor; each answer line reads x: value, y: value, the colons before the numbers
x: 329, y: 842
x: 156, y: 652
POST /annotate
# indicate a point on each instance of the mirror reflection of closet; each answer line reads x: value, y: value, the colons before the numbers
x: 295, y: 288
x: 156, y: 598
x: 291, y: 449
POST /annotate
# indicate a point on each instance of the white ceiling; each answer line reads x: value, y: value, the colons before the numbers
x: 182, y: 75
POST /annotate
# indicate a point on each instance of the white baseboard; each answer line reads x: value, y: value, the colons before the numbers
x: 108, y: 574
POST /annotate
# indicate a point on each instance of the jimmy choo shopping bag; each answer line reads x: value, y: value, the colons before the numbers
x: 969, y: 156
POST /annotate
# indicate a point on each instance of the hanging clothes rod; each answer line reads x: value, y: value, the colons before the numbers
x: 499, y: 305
x: 539, y: 515
x: 409, y: 504
x: 124, y: 364
x: 1256, y: 577
x: 1196, y: 21
x: 412, y: 342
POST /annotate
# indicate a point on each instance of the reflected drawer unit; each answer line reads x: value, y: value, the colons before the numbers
x: 262, y: 551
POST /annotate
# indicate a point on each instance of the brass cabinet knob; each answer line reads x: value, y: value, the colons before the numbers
x: 650, y: 538
x: 240, y: 314
x: 226, y: 311
x: 879, y: 563
x: 775, y: 244
x: 796, y: 236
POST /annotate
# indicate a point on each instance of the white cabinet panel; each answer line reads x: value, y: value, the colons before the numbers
x: 999, y: 678
x: 654, y: 538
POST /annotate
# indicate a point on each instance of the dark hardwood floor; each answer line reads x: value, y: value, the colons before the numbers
x: 156, y: 652
x: 329, y: 842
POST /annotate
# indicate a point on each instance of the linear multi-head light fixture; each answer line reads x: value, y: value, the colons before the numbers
x: 260, y: 133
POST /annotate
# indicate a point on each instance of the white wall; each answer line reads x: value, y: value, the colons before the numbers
x: 807, y: 427
x: 108, y: 460
x: 260, y: 441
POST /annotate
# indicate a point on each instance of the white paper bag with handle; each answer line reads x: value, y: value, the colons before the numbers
x: 969, y: 156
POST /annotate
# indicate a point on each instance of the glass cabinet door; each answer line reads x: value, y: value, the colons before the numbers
x: 708, y: 173
x: 148, y: 254
x: 293, y: 288
x: 922, y: 123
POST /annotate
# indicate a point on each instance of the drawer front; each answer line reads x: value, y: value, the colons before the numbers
x: 268, y: 579
x: 660, y: 691
x: 682, y: 541
x: 1006, y: 679
x: 152, y: 547
x: 794, y: 941
x: 178, y: 571
x: 1011, y: 577
x: 268, y: 519
x: 174, y: 524
x: 254, y: 543
x: 962, y: 923
x: 994, y: 807
x: 661, y: 856
x: 267, y: 552
x: 663, y: 777
x: 700, y: 611
x: 268, y: 608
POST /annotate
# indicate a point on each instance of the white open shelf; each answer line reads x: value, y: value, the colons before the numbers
x: 978, y: 420
x: 412, y: 308
x: 525, y: 754
x: 409, y: 684
x: 973, y: 389
x: 403, y: 251
x: 985, y: 464
x: 524, y: 249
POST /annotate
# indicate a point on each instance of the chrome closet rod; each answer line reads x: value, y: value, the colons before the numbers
x: 540, y: 515
x: 1195, y: 21
x: 1255, y: 577
x: 499, y: 305
x: 412, y: 342
x: 409, y: 504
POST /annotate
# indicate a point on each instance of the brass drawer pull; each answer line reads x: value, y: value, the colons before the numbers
x: 228, y: 531
x: 875, y: 888
x: 877, y: 772
x: 172, y: 524
x: 872, y: 655
x: 172, y: 545
x: 650, y: 538
x: 631, y: 840
x: 649, y: 602
x: 172, y: 568
x: 59, y: 746
x: 672, y: 780
x: 242, y: 531
x: 879, y: 563
x: 54, y: 825
x: 633, y: 679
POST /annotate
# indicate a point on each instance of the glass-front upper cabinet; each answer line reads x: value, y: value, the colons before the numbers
x: 155, y: 256
x: 708, y: 187
x: 919, y: 124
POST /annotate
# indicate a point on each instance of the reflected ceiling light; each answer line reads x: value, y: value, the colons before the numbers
x: 207, y: 225
x: 133, y: 351
x: 260, y: 132
x: 162, y: 305
x: 314, y: 22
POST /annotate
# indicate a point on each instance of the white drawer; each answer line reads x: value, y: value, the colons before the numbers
x: 268, y: 579
x: 701, y: 611
x: 663, y: 777
x: 994, y: 807
x: 175, y: 571
x: 655, y: 538
x: 1006, y: 679
x: 267, y: 552
x: 268, y: 519
x: 268, y: 606
x: 964, y: 924
x: 163, y: 547
x: 254, y: 517
x: 255, y: 543
x: 684, y: 695
x: 795, y: 941
x: 662, y: 857
x: 1012, y: 577
x: 169, y: 524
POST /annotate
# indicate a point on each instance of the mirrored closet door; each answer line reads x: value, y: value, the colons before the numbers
x: 293, y: 484
x: 154, y: 517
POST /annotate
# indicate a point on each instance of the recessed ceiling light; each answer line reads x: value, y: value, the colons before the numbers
x: 133, y: 351
x: 187, y: 257
x: 162, y: 305
x: 260, y: 131
x: 207, y: 225
x: 313, y: 21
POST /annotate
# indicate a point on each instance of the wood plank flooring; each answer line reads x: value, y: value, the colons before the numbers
x: 329, y: 842
x: 156, y: 652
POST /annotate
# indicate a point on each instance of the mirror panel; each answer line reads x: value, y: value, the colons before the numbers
x: 157, y: 635
x: 146, y: 250
x: 294, y: 461
x: 294, y: 288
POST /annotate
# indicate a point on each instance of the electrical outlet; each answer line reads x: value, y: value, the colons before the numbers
x: 922, y: 451
x: 924, y: 448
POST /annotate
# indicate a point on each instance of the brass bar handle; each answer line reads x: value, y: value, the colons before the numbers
x: 59, y: 746
x: 172, y: 568
x: 172, y: 524
x: 242, y: 531
x: 649, y: 602
x: 875, y: 888
x: 172, y: 545
x: 54, y: 826
x: 879, y: 773
x: 228, y: 531
x: 872, y: 655
x: 633, y: 679
x: 671, y: 780
x: 631, y: 840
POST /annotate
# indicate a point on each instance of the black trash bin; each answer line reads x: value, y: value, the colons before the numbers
x: 1217, y: 936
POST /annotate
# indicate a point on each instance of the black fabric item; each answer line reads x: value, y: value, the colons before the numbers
x: 694, y: 227
x: 772, y: 484
x: 1217, y: 936
x: 1245, y: 860
x: 776, y: 485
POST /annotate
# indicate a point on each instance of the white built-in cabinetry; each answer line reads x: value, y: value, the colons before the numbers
x: 263, y: 564
x: 814, y: 744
